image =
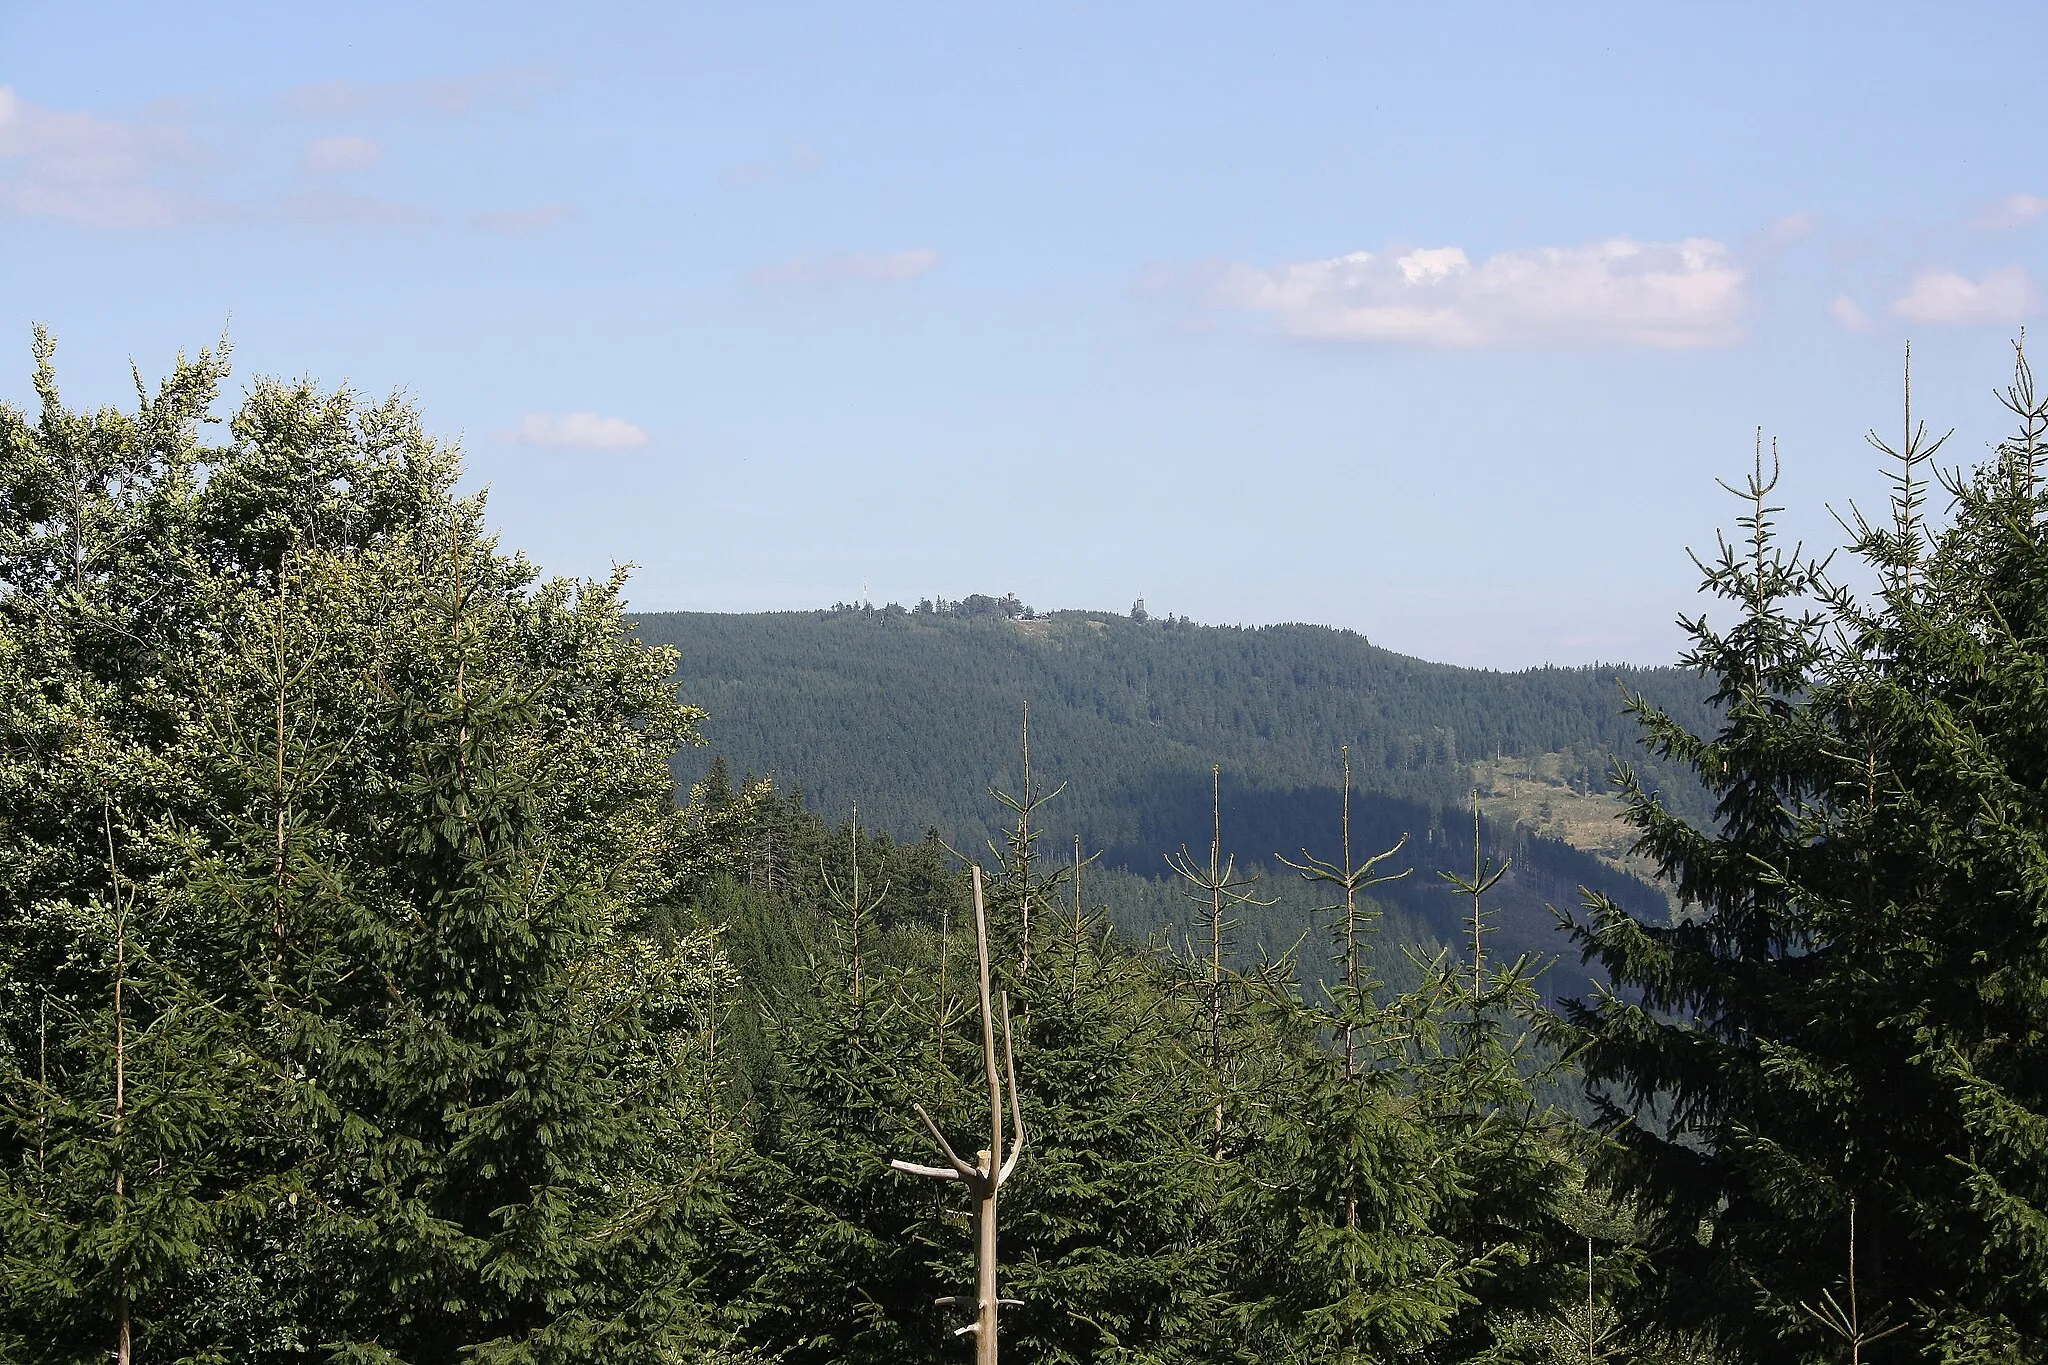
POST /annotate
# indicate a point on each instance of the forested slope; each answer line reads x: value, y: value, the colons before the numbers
x: 915, y: 714
x: 367, y: 994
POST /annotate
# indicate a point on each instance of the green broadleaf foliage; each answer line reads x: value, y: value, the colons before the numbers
x: 363, y: 818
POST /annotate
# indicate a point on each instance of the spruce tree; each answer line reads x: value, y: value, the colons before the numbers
x: 1339, y: 1195
x: 1480, y: 1076
x: 1116, y: 1235
x: 1846, y: 1015
x: 498, y: 1162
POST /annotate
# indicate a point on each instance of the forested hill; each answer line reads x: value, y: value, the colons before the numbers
x: 914, y: 715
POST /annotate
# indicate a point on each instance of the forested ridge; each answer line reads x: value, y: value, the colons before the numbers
x: 372, y: 990
x: 890, y: 707
x: 911, y: 714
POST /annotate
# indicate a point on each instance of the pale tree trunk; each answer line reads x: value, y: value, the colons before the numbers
x: 986, y: 1303
x: 991, y: 1170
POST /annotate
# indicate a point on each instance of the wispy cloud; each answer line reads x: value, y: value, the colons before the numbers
x: 578, y: 431
x: 2015, y: 210
x: 1688, y: 293
x: 341, y: 98
x: 1849, y: 314
x: 91, y: 170
x: 329, y: 208
x: 2005, y: 295
x: 827, y: 271
x: 511, y: 222
x: 343, y: 152
x: 1788, y: 231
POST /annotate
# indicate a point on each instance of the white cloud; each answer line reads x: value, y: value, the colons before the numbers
x: 826, y: 271
x: 1688, y: 293
x: 1849, y: 313
x: 344, y: 152
x: 512, y: 221
x: 90, y: 170
x: 2015, y: 210
x: 2005, y: 295
x: 578, y: 431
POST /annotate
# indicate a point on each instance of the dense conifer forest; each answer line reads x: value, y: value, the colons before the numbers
x: 893, y: 707
x: 372, y: 990
x: 911, y: 714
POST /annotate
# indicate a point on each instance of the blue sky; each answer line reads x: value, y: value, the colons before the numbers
x: 1435, y: 321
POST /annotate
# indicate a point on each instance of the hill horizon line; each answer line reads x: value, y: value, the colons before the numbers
x: 1029, y: 616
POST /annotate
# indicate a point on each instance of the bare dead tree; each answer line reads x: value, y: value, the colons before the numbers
x: 991, y: 1170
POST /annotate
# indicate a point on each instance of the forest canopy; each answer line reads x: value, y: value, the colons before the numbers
x: 372, y: 989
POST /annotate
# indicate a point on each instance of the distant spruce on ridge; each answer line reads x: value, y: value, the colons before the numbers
x: 915, y: 714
